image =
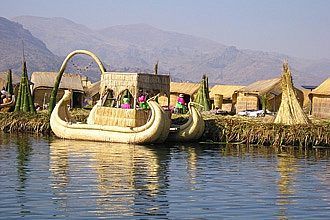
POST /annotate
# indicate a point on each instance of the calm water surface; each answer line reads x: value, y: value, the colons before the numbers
x: 43, y: 178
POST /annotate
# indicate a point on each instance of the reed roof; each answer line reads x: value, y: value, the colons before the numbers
x: 133, y: 82
x: 47, y: 79
x: 226, y: 90
x: 322, y: 89
x: 262, y: 87
x: 184, y: 87
x: 93, y: 89
x: 3, y: 79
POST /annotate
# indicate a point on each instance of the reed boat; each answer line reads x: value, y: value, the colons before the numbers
x: 154, y: 131
x: 7, y: 106
x: 191, y: 130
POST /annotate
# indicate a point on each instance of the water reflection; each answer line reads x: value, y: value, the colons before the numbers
x: 24, y: 150
x: 130, y: 179
x: 287, y: 168
x: 45, y: 179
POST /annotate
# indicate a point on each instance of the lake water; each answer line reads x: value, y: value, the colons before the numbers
x: 48, y: 178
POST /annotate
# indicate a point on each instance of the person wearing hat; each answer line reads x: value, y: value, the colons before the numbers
x: 126, y: 103
x: 181, y: 104
x: 143, y: 101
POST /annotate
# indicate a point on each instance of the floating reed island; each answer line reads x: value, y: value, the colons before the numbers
x: 33, y: 122
x: 263, y: 131
x: 218, y: 128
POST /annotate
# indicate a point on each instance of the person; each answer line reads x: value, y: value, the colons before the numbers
x: 143, y: 101
x: 37, y: 107
x: 181, y: 104
x: 7, y: 99
x: 126, y: 103
x: 4, y: 92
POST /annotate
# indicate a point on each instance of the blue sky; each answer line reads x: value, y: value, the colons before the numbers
x: 295, y: 27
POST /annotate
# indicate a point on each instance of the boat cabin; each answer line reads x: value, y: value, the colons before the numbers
x: 120, y: 97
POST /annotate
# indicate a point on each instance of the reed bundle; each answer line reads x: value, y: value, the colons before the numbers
x: 24, y: 102
x: 202, y: 96
x: 121, y: 117
x: 290, y: 111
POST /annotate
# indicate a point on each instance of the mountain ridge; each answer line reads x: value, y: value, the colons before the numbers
x: 185, y: 57
x: 12, y: 38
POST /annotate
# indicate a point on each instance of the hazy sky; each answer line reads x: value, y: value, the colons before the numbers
x: 295, y: 27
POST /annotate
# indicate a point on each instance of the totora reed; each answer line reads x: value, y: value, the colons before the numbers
x: 227, y: 129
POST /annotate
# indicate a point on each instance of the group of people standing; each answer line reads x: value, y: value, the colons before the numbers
x: 142, y: 101
x: 110, y: 100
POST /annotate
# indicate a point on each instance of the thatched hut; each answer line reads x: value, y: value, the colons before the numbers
x: 43, y: 83
x: 307, y: 89
x: 264, y: 92
x: 16, y: 81
x: 320, y: 100
x: 189, y: 91
x: 131, y: 85
x: 222, y: 96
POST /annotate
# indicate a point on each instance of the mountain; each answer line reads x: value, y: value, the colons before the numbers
x: 12, y: 37
x: 138, y: 47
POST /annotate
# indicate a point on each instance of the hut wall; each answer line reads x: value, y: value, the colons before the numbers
x: 173, y: 99
x: 157, y: 83
x: 307, y: 102
x: 227, y: 107
x: 121, y: 117
x: 273, y: 104
x: 150, y: 83
x: 163, y: 100
x: 119, y: 82
x: 246, y: 102
x: 39, y: 94
x: 321, y: 106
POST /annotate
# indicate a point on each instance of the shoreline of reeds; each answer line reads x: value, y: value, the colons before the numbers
x: 262, y: 131
x: 218, y: 129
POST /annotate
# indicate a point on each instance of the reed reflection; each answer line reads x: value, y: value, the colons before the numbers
x: 122, y: 179
x: 4, y: 138
x: 192, y: 153
x: 24, y: 150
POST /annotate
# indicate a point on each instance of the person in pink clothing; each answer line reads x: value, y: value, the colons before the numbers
x: 143, y: 101
x: 181, y: 104
x: 126, y: 104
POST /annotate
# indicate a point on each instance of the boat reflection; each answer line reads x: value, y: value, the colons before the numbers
x: 287, y: 168
x: 126, y: 177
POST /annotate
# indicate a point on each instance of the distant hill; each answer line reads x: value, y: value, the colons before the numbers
x: 38, y: 57
x: 138, y: 47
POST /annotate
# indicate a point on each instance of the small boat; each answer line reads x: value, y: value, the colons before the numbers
x: 5, y: 107
x: 191, y: 130
x: 155, y: 130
